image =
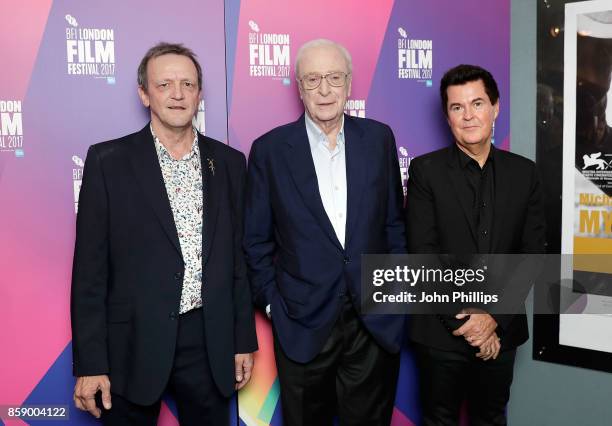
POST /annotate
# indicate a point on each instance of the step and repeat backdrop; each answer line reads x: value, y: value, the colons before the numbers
x: 69, y: 80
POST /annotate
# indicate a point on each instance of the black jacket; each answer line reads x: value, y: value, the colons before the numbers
x: 128, y: 268
x: 438, y: 221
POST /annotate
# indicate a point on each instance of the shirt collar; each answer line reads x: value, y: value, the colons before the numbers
x: 163, y: 152
x: 317, y: 136
x: 465, y: 159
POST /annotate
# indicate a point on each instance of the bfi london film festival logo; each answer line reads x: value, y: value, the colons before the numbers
x: 404, y: 163
x: 414, y: 58
x: 90, y: 51
x: 77, y: 178
x: 269, y: 54
x: 355, y: 107
x: 11, y: 127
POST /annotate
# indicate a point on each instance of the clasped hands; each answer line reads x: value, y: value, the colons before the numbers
x: 479, y: 331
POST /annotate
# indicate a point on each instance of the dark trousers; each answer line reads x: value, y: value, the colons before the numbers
x: 198, y: 400
x: 352, y: 377
x: 448, y: 378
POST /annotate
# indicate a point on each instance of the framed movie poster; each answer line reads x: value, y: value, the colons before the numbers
x: 574, y: 155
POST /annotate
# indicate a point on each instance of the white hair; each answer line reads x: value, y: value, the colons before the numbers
x: 322, y: 42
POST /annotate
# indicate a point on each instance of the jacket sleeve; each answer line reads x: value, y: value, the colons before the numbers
x: 245, y: 336
x: 526, y: 268
x: 420, y: 212
x: 533, y: 239
x: 90, y: 273
x: 259, y: 244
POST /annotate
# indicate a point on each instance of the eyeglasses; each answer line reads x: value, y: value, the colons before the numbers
x: 335, y: 79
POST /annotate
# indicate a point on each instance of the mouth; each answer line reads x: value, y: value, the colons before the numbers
x: 177, y: 108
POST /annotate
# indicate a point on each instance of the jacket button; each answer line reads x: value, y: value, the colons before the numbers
x: 347, y: 260
x: 178, y: 275
x: 172, y: 315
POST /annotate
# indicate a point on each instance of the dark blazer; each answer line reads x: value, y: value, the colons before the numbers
x: 296, y: 263
x: 128, y: 268
x: 438, y: 210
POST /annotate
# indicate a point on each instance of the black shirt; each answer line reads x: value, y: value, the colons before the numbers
x: 481, y: 184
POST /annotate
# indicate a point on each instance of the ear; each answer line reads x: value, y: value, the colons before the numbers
x: 349, y: 81
x: 495, y: 110
x: 144, y: 97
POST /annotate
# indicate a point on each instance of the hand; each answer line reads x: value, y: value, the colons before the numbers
x: 490, y: 348
x: 85, y: 390
x: 244, y: 366
x: 478, y: 328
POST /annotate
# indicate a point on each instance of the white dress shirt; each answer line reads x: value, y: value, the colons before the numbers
x: 330, y: 166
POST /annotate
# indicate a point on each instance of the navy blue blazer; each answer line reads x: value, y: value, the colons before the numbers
x: 296, y: 263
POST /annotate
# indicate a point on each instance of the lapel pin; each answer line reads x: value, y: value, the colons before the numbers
x: 211, y: 166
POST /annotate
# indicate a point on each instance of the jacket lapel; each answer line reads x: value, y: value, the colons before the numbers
x: 356, y: 171
x: 301, y: 165
x: 212, y: 179
x: 149, y: 176
x: 460, y: 189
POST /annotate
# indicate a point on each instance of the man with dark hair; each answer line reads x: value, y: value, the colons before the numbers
x: 160, y: 298
x: 463, y: 74
x: 465, y: 199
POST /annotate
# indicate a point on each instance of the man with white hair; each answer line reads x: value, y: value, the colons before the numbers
x: 322, y: 191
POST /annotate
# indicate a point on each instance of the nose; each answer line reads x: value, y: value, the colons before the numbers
x: 468, y: 113
x: 177, y: 90
x: 324, y: 87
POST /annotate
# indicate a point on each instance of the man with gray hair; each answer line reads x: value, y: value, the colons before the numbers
x: 160, y: 297
x: 322, y: 191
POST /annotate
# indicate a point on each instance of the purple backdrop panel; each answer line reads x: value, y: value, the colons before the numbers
x: 77, y: 70
x: 423, y: 40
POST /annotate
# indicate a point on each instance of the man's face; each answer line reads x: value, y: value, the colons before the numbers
x: 173, y: 94
x: 470, y: 114
x: 325, y: 104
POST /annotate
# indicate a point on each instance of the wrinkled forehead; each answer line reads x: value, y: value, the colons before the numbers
x: 172, y: 66
x: 322, y: 59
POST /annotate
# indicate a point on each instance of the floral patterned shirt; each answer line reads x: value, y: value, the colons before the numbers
x: 183, y: 181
